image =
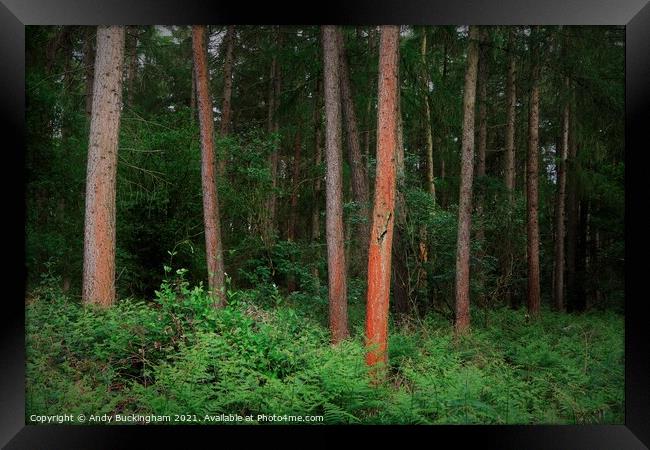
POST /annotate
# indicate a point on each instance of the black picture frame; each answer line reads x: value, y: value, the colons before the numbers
x: 15, y: 14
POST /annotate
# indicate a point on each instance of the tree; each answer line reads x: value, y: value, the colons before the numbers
x: 359, y: 179
x: 532, y: 182
x: 211, y: 220
x: 99, y: 228
x: 465, y: 196
x: 229, y: 42
x: 333, y: 188
x: 509, y: 169
x: 560, y: 208
x: 381, y: 232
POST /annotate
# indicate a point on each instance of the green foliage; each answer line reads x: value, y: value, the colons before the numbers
x: 180, y: 356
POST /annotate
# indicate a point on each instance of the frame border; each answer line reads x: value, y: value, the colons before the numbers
x: 15, y: 14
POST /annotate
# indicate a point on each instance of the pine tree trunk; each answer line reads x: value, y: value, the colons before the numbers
x: 99, y: 227
x: 560, y: 209
x: 511, y: 111
x: 358, y: 169
x: 213, y: 243
x: 381, y: 237
x: 318, y: 160
x: 293, y: 204
x: 334, y: 188
x: 532, y: 185
x: 465, y: 195
x: 431, y: 188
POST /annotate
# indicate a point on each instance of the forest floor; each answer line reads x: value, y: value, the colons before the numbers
x: 267, y: 354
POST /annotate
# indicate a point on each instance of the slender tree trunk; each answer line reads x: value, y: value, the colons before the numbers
x: 89, y: 63
x: 482, y: 104
x: 226, y: 109
x: 334, y: 189
x: 358, y: 169
x: 532, y: 184
x: 511, y: 111
x: 213, y: 243
x: 293, y: 204
x: 465, y: 195
x: 273, y: 124
x: 431, y: 188
x: 560, y: 209
x: 572, y: 215
x: 99, y: 227
x: 318, y: 160
x: 381, y: 237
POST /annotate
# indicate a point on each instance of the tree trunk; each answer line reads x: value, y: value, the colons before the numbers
x: 229, y: 42
x: 293, y: 210
x: 318, y: 159
x: 381, y: 235
x: 89, y: 64
x: 431, y: 188
x: 334, y: 189
x: 511, y: 111
x: 99, y: 227
x: 465, y: 194
x: 560, y: 209
x: 532, y: 184
x: 273, y: 126
x: 359, y: 176
x: 213, y: 243
x: 482, y: 104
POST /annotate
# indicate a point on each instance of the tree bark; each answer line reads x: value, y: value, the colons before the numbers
x: 511, y: 110
x: 462, y: 323
x: 99, y: 227
x: 431, y: 188
x: 318, y: 159
x: 509, y: 170
x: 213, y: 243
x: 560, y: 209
x: 334, y: 189
x: 359, y: 175
x: 381, y: 237
x: 226, y: 109
x: 532, y: 184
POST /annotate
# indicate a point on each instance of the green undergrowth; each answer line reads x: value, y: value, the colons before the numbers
x: 176, y: 355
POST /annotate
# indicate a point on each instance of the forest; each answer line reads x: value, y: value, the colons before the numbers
x: 333, y: 224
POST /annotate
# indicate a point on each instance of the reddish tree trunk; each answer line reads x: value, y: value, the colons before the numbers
x: 213, y: 243
x: 226, y: 110
x: 560, y: 209
x: 532, y: 186
x: 333, y: 187
x: 99, y: 227
x: 381, y: 232
x: 465, y: 195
